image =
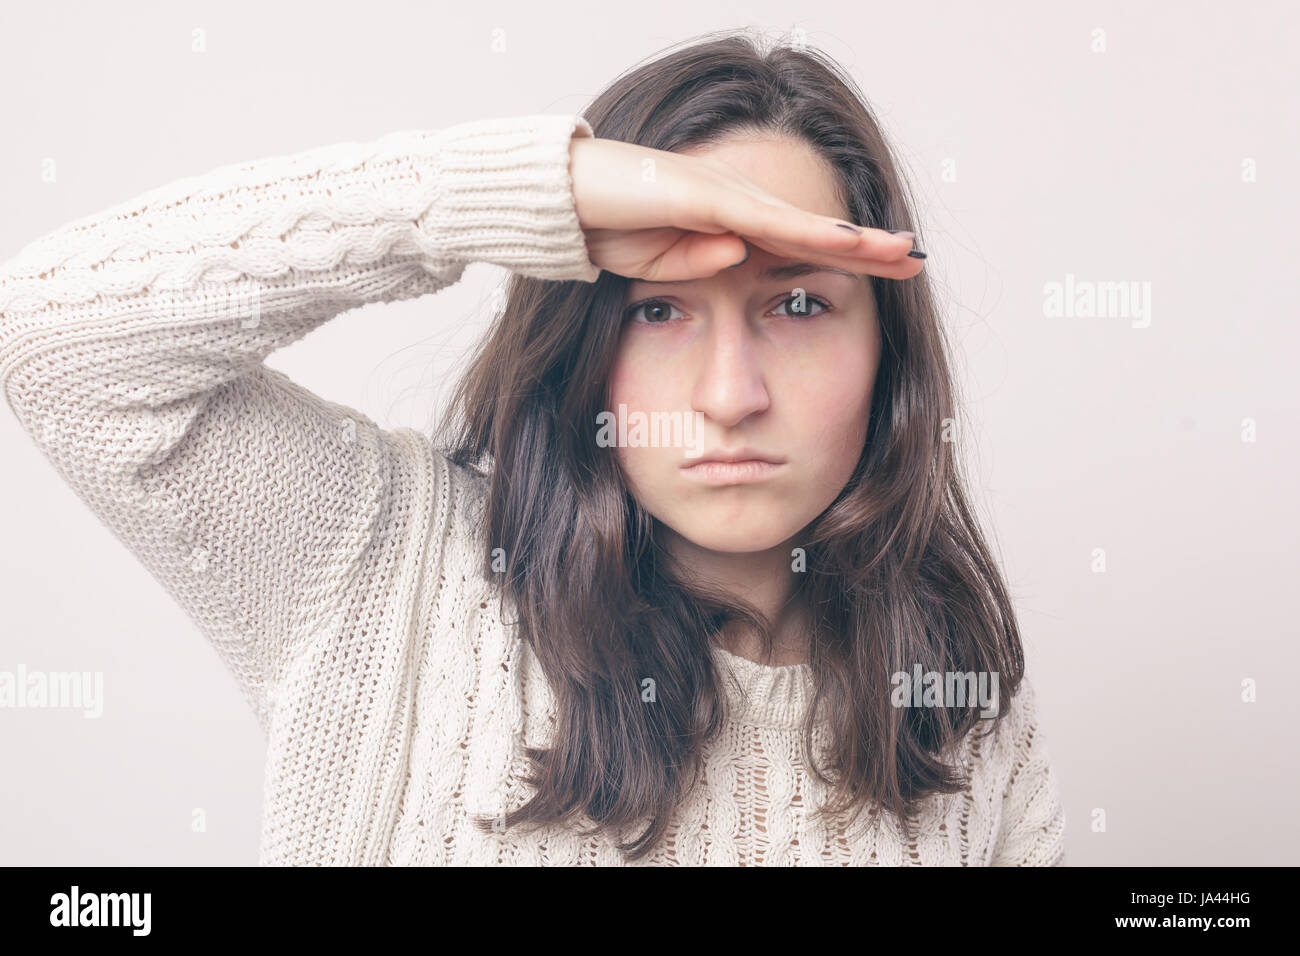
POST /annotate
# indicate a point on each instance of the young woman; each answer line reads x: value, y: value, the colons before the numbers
x: 529, y: 645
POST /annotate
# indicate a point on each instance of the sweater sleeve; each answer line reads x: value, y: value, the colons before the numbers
x: 132, y: 346
x: 1032, y: 828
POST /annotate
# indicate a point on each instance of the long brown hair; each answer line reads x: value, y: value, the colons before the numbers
x: 897, y: 569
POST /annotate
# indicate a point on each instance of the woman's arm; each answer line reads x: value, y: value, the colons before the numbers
x: 132, y: 346
x: 1032, y: 829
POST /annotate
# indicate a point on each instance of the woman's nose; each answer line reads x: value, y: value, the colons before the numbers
x: 729, y: 385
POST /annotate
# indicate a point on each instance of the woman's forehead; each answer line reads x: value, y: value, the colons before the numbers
x: 788, y: 168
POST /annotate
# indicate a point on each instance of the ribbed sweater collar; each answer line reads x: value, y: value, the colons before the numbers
x: 766, y: 696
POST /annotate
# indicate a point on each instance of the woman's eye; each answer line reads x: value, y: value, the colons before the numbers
x: 655, y: 307
x: 805, y: 304
x: 658, y: 311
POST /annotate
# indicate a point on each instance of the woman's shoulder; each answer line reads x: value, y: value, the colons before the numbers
x: 466, y: 488
x: 993, y: 753
x: 1020, y: 779
x: 995, y: 743
x: 458, y: 527
x: 1010, y: 803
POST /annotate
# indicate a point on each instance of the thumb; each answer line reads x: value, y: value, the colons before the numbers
x: 744, y: 257
x: 700, y: 255
x: 719, y: 252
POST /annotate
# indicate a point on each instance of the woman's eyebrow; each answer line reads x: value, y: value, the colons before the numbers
x: 795, y: 269
x: 790, y: 270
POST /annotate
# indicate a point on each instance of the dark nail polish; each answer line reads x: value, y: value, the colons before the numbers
x: 916, y: 255
x: 848, y: 227
x: 736, y: 265
x: 897, y: 231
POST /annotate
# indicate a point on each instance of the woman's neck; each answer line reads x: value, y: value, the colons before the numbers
x: 763, y: 579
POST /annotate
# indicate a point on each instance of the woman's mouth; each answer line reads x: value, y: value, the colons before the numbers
x: 731, y: 472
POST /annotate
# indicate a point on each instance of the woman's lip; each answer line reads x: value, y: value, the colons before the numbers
x: 731, y: 472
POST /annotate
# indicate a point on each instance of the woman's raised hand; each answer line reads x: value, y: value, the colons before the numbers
x: 663, y: 216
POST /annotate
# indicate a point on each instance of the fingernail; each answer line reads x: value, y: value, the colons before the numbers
x: 742, y: 261
x: 916, y: 255
x: 902, y: 233
x: 848, y: 227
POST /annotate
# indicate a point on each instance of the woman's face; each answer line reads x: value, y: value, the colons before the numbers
x: 788, y: 383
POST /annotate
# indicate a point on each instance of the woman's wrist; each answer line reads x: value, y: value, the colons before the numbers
x: 503, y: 194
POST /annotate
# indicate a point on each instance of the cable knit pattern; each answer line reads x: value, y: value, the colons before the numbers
x: 334, y: 564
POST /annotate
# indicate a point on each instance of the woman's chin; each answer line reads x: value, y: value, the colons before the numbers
x: 738, y: 537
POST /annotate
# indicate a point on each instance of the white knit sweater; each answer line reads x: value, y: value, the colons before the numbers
x: 334, y: 565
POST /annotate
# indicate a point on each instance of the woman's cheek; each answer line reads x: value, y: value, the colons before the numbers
x: 646, y: 468
x: 619, y: 384
x: 832, y: 418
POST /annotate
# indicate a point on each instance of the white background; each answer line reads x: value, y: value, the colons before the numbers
x: 1123, y: 165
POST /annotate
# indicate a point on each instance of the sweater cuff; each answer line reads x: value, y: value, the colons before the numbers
x: 504, y: 195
